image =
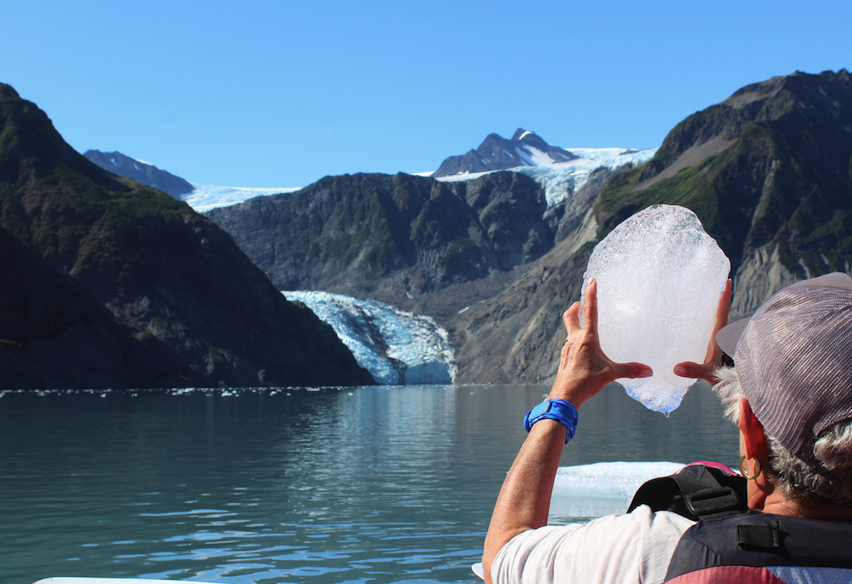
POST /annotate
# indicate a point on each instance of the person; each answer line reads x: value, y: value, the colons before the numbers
x: 790, y: 394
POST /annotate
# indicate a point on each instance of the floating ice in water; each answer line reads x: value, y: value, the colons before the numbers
x: 659, y: 280
x: 603, y: 488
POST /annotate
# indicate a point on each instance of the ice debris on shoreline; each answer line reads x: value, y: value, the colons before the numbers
x: 659, y: 278
x: 395, y: 346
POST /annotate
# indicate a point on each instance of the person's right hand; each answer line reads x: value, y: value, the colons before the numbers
x: 713, y: 358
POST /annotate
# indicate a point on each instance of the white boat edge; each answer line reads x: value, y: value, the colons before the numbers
x: 477, y: 569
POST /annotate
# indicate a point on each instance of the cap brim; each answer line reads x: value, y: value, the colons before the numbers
x: 729, y: 335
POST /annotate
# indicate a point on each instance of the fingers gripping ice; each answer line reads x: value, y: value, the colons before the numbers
x: 659, y: 280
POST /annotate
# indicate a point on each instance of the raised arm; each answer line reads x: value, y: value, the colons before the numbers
x: 584, y: 370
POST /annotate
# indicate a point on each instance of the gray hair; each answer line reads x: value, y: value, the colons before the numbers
x: 828, y: 475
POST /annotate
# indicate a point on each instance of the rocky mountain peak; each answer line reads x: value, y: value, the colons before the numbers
x: 141, y: 172
x: 525, y: 148
x: 529, y: 138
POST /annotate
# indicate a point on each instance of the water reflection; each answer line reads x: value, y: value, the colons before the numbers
x: 370, y: 484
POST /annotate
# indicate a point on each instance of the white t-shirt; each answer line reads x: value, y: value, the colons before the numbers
x: 621, y: 549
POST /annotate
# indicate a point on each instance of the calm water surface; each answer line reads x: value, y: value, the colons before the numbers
x: 328, y: 486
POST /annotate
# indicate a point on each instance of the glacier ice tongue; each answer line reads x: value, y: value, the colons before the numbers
x: 565, y: 179
x: 659, y: 278
x: 395, y: 346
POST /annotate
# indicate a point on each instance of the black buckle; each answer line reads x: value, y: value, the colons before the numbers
x: 713, y: 503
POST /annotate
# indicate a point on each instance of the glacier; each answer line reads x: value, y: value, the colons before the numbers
x: 561, y: 180
x: 205, y: 197
x: 395, y: 346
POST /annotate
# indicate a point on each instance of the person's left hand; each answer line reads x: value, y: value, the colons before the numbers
x: 584, y: 370
x: 713, y: 358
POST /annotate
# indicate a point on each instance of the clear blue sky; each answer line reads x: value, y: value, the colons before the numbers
x: 279, y: 93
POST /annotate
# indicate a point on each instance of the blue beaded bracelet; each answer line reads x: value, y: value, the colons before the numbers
x: 560, y: 410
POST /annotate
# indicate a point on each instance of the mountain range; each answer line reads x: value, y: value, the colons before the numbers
x: 767, y: 171
x: 432, y: 245
x: 200, y: 197
x: 110, y: 283
x: 489, y: 253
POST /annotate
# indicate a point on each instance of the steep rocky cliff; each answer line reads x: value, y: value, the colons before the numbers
x: 165, y: 274
x: 55, y: 334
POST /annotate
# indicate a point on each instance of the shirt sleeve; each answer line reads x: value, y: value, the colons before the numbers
x: 635, y: 547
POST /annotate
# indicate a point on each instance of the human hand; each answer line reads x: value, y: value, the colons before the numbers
x: 584, y: 370
x: 713, y: 358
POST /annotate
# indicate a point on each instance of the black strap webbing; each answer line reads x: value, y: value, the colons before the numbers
x: 697, y: 492
x: 760, y: 535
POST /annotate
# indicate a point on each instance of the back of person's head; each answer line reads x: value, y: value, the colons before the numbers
x: 793, y: 363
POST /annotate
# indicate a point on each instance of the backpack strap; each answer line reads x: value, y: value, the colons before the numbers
x: 697, y: 492
x: 806, y: 550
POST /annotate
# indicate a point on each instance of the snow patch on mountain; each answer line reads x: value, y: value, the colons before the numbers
x: 395, y: 346
x: 206, y: 197
x: 534, y: 157
x: 470, y: 175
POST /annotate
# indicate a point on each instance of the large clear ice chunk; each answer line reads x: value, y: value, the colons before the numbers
x: 659, y: 278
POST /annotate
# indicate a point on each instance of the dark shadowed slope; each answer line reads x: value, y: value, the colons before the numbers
x: 162, y: 270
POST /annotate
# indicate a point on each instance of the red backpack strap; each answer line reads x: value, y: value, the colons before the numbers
x: 729, y: 575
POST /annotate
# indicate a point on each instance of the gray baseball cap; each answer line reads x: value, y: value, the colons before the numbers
x: 794, y: 360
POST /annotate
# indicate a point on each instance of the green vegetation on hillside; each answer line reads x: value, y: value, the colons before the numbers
x: 63, y: 206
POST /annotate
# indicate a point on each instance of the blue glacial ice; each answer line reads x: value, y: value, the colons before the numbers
x: 395, y: 346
